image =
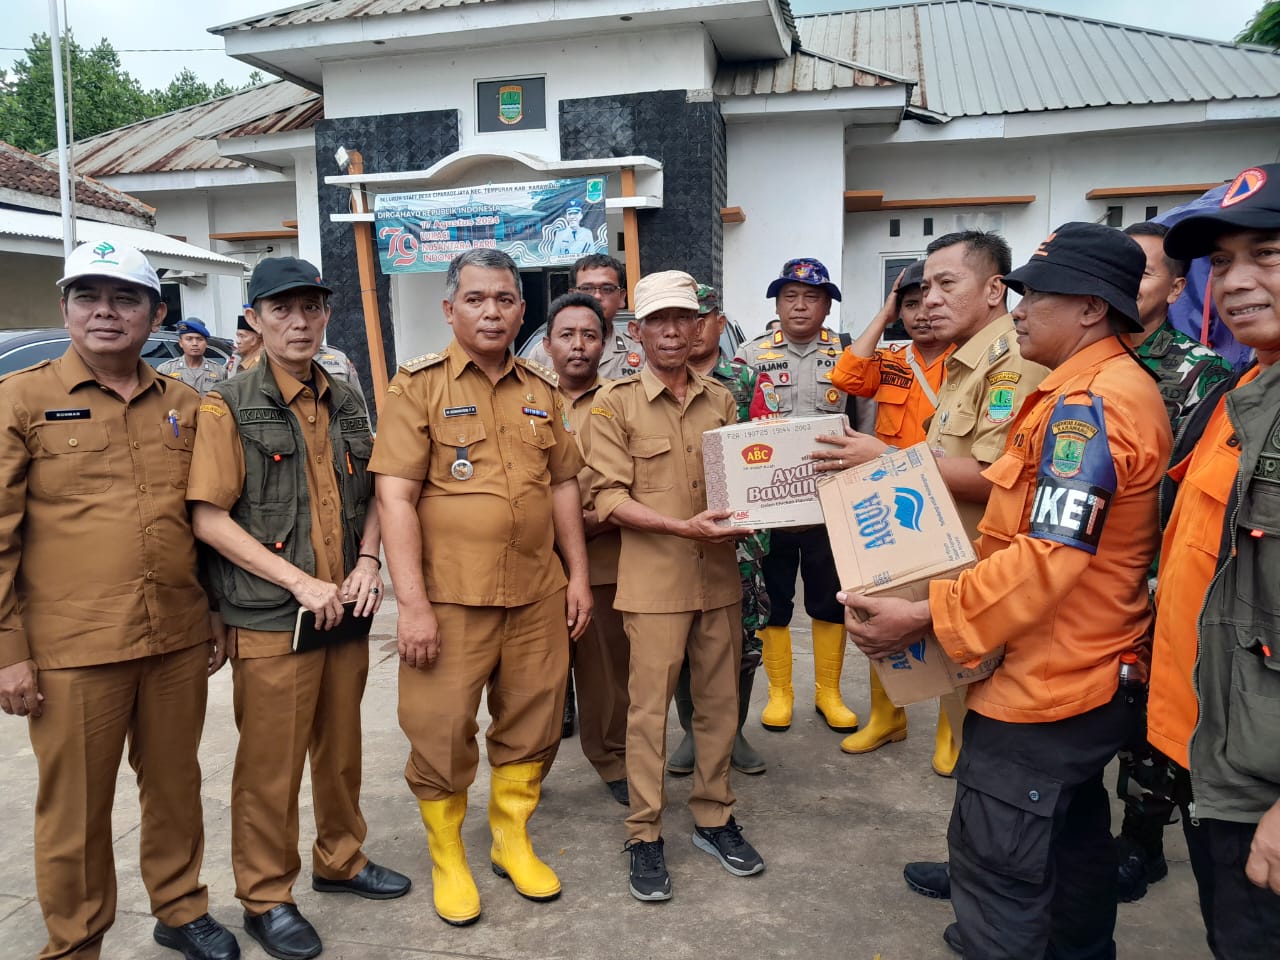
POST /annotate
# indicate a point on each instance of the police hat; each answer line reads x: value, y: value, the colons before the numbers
x: 804, y: 270
x: 279, y: 274
x: 192, y: 325
x: 1252, y: 202
x: 1086, y: 259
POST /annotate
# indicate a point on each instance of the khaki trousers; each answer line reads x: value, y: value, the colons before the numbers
x: 520, y: 655
x: 157, y: 704
x: 601, y: 665
x: 659, y: 644
x: 287, y: 707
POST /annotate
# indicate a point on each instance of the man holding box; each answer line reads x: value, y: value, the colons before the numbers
x: 678, y: 586
x: 1067, y: 538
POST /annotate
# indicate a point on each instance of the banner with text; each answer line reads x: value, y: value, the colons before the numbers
x: 544, y: 224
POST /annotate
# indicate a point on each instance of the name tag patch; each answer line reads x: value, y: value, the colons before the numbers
x: 80, y: 413
x: 459, y: 411
x: 261, y: 415
x: 533, y: 412
x: 347, y: 424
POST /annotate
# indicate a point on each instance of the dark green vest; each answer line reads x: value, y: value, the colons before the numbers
x: 275, y: 503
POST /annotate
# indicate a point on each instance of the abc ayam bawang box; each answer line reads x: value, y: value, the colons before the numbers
x: 759, y: 471
x: 894, y: 527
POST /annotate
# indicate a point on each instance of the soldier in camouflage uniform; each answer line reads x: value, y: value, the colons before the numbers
x: 756, y: 398
x: 1185, y: 371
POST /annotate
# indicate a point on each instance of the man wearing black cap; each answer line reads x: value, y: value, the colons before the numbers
x: 280, y: 489
x: 800, y: 359
x: 1215, y: 670
x: 248, y: 347
x: 193, y: 368
x: 1067, y: 539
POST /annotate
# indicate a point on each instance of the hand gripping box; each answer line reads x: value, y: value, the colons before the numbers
x: 759, y: 471
x: 894, y: 527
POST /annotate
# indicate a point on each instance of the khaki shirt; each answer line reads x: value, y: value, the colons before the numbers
x: 801, y: 372
x: 97, y: 558
x: 604, y: 547
x: 487, y: 538
x: 202, y: 379
x: 985, y: 383
x: 217, y: 477
x: 338, y: 364
x: 622, y: 357
x: 646, y: 446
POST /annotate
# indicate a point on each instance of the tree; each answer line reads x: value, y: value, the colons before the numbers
x: 1264, y: 29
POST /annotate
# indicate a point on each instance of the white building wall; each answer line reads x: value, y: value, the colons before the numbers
x: 787, y: 175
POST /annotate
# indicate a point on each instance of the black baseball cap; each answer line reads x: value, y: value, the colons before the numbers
x: 913, y: 276
x: 1252, y: 202
x: 277, y: 274
x: 1086, y: 259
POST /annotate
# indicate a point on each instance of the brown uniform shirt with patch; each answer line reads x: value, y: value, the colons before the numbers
x: 97, y: 558
x: 487, y: 532
x: 217, y: 477
x: 646, y: 446
x: 985, y: 382
x: 603, y: 548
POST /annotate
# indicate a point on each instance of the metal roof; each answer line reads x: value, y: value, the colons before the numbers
x: 182, y: 140
x: 981, y: 57
x: 26, y: 173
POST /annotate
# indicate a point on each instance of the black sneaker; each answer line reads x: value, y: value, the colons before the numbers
x: 204, y: 938
x: 727, y: 845
x: 929, y: 879
x: 649, y: 877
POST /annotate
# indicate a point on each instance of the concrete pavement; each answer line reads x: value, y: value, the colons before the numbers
x: 834, y: 831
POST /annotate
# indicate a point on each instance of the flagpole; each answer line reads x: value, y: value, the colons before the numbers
x: 65, y: 186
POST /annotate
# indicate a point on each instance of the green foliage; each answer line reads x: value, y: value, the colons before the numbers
x: 1264, y: 29
x: 105, y: 96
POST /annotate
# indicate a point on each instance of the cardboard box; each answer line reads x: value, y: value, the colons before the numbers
x: 894, y: 527
x: 759, y: 471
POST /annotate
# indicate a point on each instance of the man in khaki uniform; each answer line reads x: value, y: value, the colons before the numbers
x: 603, y: 277
x: 281, y: 490
x: 105, y: 632
x: 576, y: 331
x: 478, y: 482
x: 678, y: 586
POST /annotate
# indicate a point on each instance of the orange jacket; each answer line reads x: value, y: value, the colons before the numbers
x: 902, y: 406
x: 1068, y: 537
x: 1188, y: 559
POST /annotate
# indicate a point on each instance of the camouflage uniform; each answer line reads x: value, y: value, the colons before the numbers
x: 750, y: 389
x: 1185, y: 370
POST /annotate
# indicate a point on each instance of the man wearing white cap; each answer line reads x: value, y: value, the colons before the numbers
x: 100, y: 642
x: 678, y: 587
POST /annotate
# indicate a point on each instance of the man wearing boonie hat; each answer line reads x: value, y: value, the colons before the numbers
x: 1061, y: 584
x: 193, y: 368
x: 678, y: 586
x: 280, y: 489
x: 106, y: 637
x: 800, y: 359
x: 1215, y: 671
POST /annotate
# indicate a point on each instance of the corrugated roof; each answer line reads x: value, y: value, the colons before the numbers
x: 980, y: 57
x: 28, y: 173
x: 182, y: 140
x: 302, y: 116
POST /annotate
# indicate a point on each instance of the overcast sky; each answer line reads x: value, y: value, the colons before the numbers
x: 151, y: 24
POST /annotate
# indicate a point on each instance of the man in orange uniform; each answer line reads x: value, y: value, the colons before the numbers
x: 1067, y: 539
x: 904, y: 381
x: 1215, y: 672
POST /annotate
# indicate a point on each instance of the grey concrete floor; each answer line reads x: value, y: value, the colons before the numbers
x: 834, y: 830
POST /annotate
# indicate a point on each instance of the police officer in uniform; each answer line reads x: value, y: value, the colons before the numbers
x: 800, y: 359
x: 337, y: 364
x: 603, y: 277
x: 193, y: 368
x: 478, y: 483
x: 1067, y: 539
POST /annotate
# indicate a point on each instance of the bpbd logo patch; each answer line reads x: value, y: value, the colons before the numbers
x: 1245, y: 185
x: 1077, y: 478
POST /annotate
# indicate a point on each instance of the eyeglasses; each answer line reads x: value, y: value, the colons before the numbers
x: 598, y: 289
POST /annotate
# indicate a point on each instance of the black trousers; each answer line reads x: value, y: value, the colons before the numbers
x: 1242, y: 921
x: 1033, y: 866
x: 808, y: 551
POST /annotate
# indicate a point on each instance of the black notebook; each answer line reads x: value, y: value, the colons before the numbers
x: 306, y: 637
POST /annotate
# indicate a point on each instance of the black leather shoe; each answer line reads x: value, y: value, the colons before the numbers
x: 204, y: 938
x: 932, y: 880
x: 951, y: 937
x: 621, y: 792
x: 374, y: 882
x: 284, y: 933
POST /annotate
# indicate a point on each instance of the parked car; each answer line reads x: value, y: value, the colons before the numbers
x: 25, y: 348
x: 729, y: 340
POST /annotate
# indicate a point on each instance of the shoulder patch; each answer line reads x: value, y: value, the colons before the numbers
x: 998, y: 349
x: 534, y: 367
x: 422, y: 362
x: 213, y: 408
x: 1077, y: 477
x: 602, y: 412
x: 779, y: 338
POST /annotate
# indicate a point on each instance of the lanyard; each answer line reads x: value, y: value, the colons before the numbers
x: 920, y: 377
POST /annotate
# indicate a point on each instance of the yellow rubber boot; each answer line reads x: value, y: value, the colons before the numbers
x: 888, y: 724
x: 828, y: 659
x: 776, y: 714
x: 456, y: 897
x: 945, y: 749
x: 513, y: 796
